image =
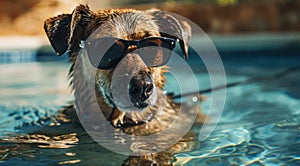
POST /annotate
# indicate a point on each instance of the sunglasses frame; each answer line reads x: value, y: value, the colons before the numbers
x: 127, y: 43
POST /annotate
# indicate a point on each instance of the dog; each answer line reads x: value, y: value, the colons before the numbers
x: 121, y: 67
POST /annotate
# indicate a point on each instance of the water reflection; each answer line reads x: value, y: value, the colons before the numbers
x: 71, y: 144
x: 259, y: 126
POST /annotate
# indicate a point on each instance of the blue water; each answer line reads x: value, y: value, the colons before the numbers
x: 260, y: 124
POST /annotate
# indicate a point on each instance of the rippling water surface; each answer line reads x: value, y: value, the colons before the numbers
x: 260, y: 124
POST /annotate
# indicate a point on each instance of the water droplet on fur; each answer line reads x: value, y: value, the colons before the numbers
x: 81, y: 45
x: 195, y: 99
x: 154, y: 149
x: 147, y: 127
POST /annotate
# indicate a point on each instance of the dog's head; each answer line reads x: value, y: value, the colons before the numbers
x: 128, y: 48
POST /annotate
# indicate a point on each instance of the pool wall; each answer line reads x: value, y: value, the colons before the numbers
x: 30, y: 49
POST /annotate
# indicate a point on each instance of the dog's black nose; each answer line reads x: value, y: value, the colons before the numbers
x: 140, y: 89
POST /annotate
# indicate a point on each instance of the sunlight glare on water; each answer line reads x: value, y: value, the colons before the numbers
x: 260, y: 123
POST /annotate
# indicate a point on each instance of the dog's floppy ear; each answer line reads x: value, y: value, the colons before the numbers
x: 67, y: 28
x: 58, y: 32
x: 175, y: 27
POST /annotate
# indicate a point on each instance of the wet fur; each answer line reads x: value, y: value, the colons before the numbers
x: 65, y: 33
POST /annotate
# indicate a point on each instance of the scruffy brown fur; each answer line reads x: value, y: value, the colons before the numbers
x: 66, y: 31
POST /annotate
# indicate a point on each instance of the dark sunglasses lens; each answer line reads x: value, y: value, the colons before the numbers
x: 104, y: 53
x: 112, y: 56
x: 156, y: 52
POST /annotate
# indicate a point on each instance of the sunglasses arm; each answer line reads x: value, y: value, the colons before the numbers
x: 184, y: 49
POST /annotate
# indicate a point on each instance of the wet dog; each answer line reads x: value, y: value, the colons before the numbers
x: 120, y: 56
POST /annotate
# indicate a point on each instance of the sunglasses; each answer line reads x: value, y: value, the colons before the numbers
x: 106, y: 53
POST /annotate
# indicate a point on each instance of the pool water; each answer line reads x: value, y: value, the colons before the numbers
x: 260, y: 124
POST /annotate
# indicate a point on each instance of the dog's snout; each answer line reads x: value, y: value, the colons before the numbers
x: 140, y: 88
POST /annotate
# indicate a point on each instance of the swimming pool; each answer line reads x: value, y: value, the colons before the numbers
x: 260, y: 124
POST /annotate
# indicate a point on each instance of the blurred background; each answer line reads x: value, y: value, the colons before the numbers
x: 19, y: 17
x: 228, y: 22
x: 246, y: 33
